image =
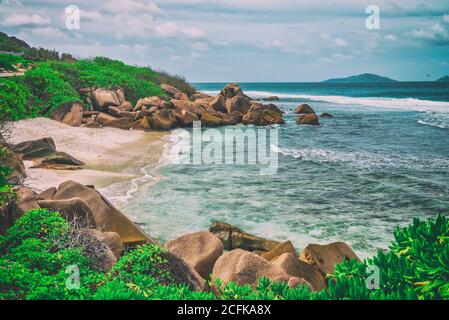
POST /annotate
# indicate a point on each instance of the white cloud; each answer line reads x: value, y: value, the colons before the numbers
x: 131, y: 6
x: 339, y: 42
x: 172, y: 30
x: 22, y: 20
x: 391, y: 37
x: 47, y: 32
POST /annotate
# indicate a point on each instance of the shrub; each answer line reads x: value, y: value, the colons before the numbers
x: 49, y: 88
x: 16, y: 101
x: 9, y: 61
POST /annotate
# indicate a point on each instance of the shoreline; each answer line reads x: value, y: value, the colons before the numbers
x: 112, y: 156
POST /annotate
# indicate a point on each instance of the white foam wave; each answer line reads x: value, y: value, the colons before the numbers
x: 363, y: 159
x: 434, y: 119
x: 386, y: 103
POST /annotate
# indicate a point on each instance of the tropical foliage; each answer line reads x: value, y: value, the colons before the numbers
x: 35, y: 255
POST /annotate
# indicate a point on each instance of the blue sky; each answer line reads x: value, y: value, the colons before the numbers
x: 246, y: 40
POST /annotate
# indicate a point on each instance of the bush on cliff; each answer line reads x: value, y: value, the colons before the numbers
x: 8, y: 62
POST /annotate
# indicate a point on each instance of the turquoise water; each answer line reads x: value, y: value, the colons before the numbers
x: 381, y: 161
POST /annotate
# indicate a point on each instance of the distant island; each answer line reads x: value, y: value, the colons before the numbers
x: 361, y: 78
x: 444, y: 79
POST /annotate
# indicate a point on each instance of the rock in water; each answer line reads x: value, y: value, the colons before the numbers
x: 304, y: 109
x: 70, y: 113
x: 308, y: 119
x: 286, y: 247
x: 218, y: 104
x: 238, y: 104
x: 326, y: 115
x: 263, y: 115
x: 297, y: 268
x: 233, y: 238
x: 272, y: 98
x: 35, y: 149
x: 200, y: 250
x: 231, y: 90
x: 325, y: 257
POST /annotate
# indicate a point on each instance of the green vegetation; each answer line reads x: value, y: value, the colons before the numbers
x: 12, y: 44
x: 9, y: 61
x: 37, y: 250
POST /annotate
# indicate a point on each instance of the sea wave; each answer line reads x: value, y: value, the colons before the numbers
x: 434, y: 119
x: 363, y: 160
x: 380, y: 102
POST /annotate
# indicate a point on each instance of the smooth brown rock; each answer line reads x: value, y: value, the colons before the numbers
x: 105, y: 98
x: 184, y: 118
x: 113, y: 240
x: 272, y: 98
x: 286, y: 247
x: 15, y: 163
x: 212, y: 119
x: 116, y: 112
x: 205, y: 102
x: 75, y: 210
x: 297, y: 268
x: 189, y: 106
x: 231, y: 90
x: 200, y: 95
x: 263, y: 115
x: 149, y: 102
x: 325, y: 257
x: 61, y: 161
x: 326, y: 115
x: 107, y: 217
x: 233, y: 238
x: 181, y: 96
x: 238, y: 104
x: 142, y: 124
x: 162, y: 120
x: 26, y: 201
x: 244, y: 267
x: 35, y: 148
x: 70, y: 113
x: 47, y: 194
x: 107, y: 120
x: 231, y: 119
x: 218, y: 104
x: 126, y: 106
x: 96, y: 246
x: 308, y: 119
x: 200, y: 250
x: 170, y: 90
x: 93, y: 125
x: 304, y: 109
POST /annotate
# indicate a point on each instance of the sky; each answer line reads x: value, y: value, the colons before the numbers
x: 245, y: 40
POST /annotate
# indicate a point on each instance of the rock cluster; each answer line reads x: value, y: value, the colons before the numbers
x: 109, y: 108
x: 248, y: 257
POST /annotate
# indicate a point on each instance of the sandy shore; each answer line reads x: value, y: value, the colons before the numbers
x: 111, y: 155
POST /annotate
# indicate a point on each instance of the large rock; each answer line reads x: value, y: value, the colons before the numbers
x: 212, y: 119
x: 308, y: 119
x: 107, y: 120
x: 116, y: 112
x: 263, y: 115
x: 185, y: 118
x: 162, y: 120
x: 200, y: 95
x: 105, y: 98
x: 47, y: 194
x: 218, y: 104
x: 107, y: 217
x: 193, y: 107
x: 141, y: 124
x: 272, y: 98
x: 239, y: 104
x: 233, y: 238
x: 200, y: 250
x: 286, y: 247
x: 231, y: 90
x: 304, y: 109
x: 326, y: 115
x: 70, y: 113
x: 325, y: 257
x: 205, y: 102
x: 244, y: 267
x: 35, y: 149
x: 60, y: 161
x: 174, y: 92
x: 149, y: 102
x: 75, y: 210
x: 297, y: 268
x: 231, y: 119
x: 182, y: 273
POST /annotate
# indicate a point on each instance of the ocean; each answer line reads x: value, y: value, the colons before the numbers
x: 380, y: 162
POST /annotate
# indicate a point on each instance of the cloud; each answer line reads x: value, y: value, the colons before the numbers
x: 390, y: 37
x: 47, y: 32
x: 131, y: 6
x: 172, y: 30
x: 23, y: 20
x: 437, y: 33
x: 339, y: 42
